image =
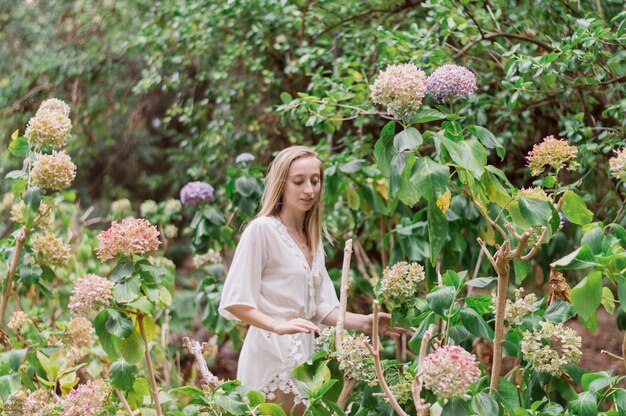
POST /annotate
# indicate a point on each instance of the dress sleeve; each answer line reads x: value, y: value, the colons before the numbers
x: 243, y: 282
x: 326, y: 297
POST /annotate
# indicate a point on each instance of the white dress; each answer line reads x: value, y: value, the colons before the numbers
x: 270, y: 273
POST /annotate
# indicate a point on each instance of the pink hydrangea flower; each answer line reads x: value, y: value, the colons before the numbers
x: 450, y: 371
x: 451, y: 80
x: 401, y: 88
x: 85, y: 400
x: 88, y: 292
x: 128, y: 237
x: 552, y: 152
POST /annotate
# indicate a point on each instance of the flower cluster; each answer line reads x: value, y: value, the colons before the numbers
x: 173, y: 205
x: 121, y: 208
x: 148, y: 208
x: 551, y: 348
x: 210, y: 257
x: 18, y: 214
x: 170, y: 231
x: 325, y: 340
x: 618, y: 164
x: 402, y: 391
x: 128, y: 237
x: 51, y: 248
x: 85, y: 400
x: 79, y: 332
x: 55, y: 171
x: 450, y: 371
x: 401, y: 88
x: 244, y: 158
x: 196, y: 193
x: 552, y: 152
x: 51, y: 128
x: 88, y: 292
x: 18, y: 320
x: 450, y: 80
x: 54, y: 105
x: 399, y: 282
x: 534, y: 193
x: 514, y: 312
x: 355, y: 360
x: 38, y: 403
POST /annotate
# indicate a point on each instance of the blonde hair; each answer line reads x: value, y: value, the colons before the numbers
x: 275, y: 181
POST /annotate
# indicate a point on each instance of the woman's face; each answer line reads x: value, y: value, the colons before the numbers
x: 303, y: 185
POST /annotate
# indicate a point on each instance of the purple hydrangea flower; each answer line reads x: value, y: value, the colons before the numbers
x: 244, y: 157
x: 450, y: 80
x: 196, y: 192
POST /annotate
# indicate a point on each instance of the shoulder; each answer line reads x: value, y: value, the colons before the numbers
x: 260, y: 226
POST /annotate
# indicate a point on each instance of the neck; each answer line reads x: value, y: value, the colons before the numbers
x: 294, y: 220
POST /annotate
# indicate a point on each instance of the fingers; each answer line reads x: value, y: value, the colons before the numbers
x: 302, y: 325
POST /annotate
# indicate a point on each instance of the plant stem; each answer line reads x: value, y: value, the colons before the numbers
x: 20, y: 238
x: 346, y: 391
x: 503, y: 285
x: 124, y: 402
x: 624, y: 349
x: 153, y: 386
x: 343, y: 303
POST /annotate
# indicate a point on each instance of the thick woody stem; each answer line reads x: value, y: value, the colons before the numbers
x: 343, y: 297
x: 346, y: 391
x: 20, y: 238
x: 194, y: 347
x: 374, y: 350
x: 153, y: 385
x: 503, y: 285
x: 421, y: 407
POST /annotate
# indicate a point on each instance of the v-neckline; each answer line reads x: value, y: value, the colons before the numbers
x: 297, y: 247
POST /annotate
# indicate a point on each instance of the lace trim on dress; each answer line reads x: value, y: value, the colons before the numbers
x: 282, y: 379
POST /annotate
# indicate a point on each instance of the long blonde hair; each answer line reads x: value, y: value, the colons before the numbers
x: 271, y: 202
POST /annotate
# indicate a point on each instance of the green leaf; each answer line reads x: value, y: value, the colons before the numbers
x: 587, y: 295
x: 535, y: 211
x: 285, y: 97
x: 123, y: 375
x: 247, y: 185
x: 521, y: 269
x: 469, y: 154
x: 441, y: 299
x: 559, y: 311
x: 608, y: 300
x: 475, y: 324
x: 271, y: 409
x: 620, y: 399
x: 132, y: 348
x: 581, y: 258
x: 122, y: 271
x: 32, y: 198
x: 485, y: 405
x: 425, y: 115
x: 408, y: 193
x: 384, y: 150
x: 9, y: 384
x: 430, y: 178
x: 231, y: 405
x: 19, y: 147
x: 481, y: 282
x: 585, y: 405
x: 437, y: 230
x: 110, y: 343
x: 118, y: 324
x: 455, y: 407
x: 495, y: 190
x: 127, y: 290
x: 575, y: 210
x: 409, y: 139
x: 395, y: 179
x: 16, y: 174
x: 488, y: 139
x: 508, y: 394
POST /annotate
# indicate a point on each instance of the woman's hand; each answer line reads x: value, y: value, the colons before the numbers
x: 294, y: 326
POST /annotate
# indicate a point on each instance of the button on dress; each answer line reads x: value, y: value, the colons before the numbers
x: 270, y: 273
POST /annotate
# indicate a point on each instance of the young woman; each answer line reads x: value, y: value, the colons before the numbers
x: 278, y: 282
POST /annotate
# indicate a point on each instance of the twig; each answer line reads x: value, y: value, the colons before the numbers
x: 610, y: 354
x: 124, y: 402
x: 494, y: 35
x: 421, y: 407
x: 153, y: 385
x: 483, y: 246
x: 195, y: 349
x: 20, y: 238
x: 374, y: 349
x: 343, y: 298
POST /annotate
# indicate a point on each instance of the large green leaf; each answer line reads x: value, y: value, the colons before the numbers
x: 485, y: 405
x: 408, y: 192
x: 109, y: 343
x: 430, y: 178
x: 476, y: 324
x: 127, y: 290
x: 441, y: 299
x: 585, y: 405
x: 9, y: 384
x: 271, y: 409
x: 468, y: 154
x: 247, y: 185
x: 122, y: 271
x: 395, y: 179
x: 455, y: 407
x: 123, y: 375
x: 424, y: 115
x: 437, y: 230
x: 19, y: 147
x: 118, y: 324
x: 384, y: 150
x: 488, y: 139
x: 587, y: 295
x: 132, y: 348
x: 408, y: 139
x: 581, y: 258
x: 559, y: 311
x: 575, y: 210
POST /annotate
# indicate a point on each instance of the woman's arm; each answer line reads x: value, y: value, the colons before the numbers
x: 254, y: 317
x: 364, y: 323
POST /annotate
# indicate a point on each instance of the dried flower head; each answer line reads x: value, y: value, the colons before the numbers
x: 618, y: 164
x: 173, y: 206
x: 401, y: 88
x: 559, y: 289
x: 49, y: 128
x: 18, y: 214
x: 18, y: 320
x: 54, y: 105
x: 79, y: 332
x: 244, y: 158
x: 552, y: 152
x: 355, y: 360
x: 148, y: 208
x: 55, y: 171
x: 128, y: 237
x: 196, y: 192
x: 210, y: 257
x: 121, y: 208
x: 51, y: 248
x: 450, y: 371
x: 534, y: 193
x: 451, y: 80
x: 550, y: 348
x: 325, y: 340
x: 514, y: 312
x: 399, y: 282
x: 85, y: 400
x: 89, y: 292
x: 38, y: 403
x: 170, y: 231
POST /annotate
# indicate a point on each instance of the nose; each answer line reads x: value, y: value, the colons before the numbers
x: 308, y: 189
